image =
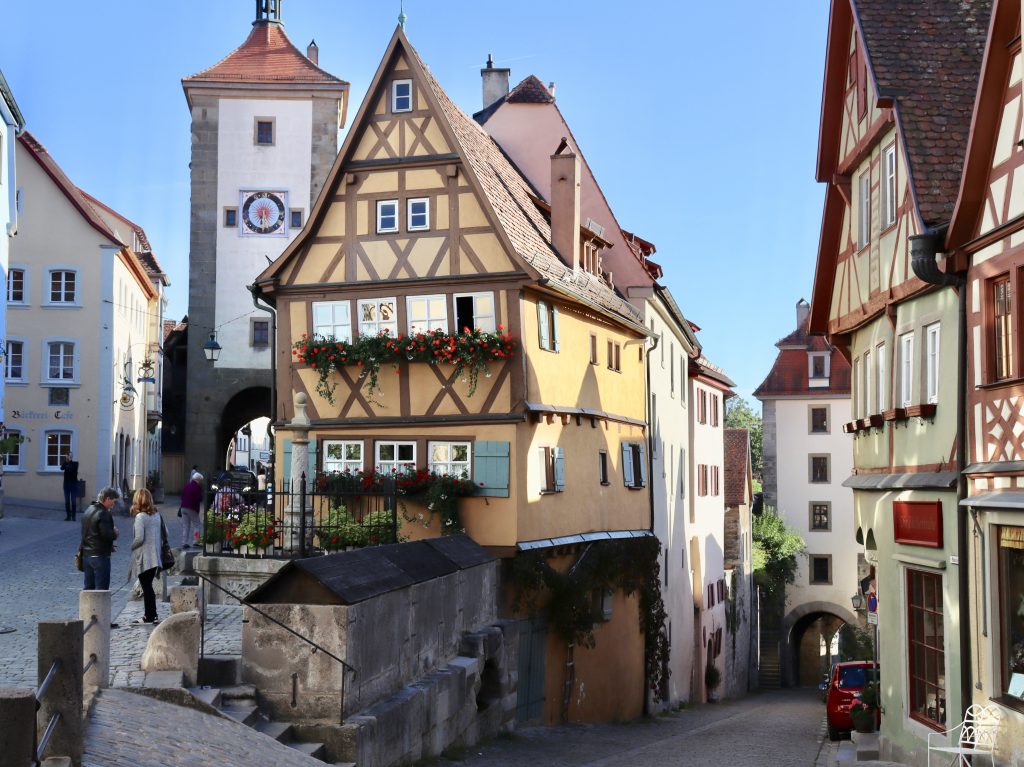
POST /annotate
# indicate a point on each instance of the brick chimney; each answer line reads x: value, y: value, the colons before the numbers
x: 313, y: 52
x: 803, y: 309
x: 565, y: 203
x: 495, y: 82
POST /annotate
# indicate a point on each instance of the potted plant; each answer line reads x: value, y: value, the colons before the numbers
x: 338, y: 530
x: 254, y: 534
x: 216, y: 532
x: 864, y: 711
x: 712, y: 678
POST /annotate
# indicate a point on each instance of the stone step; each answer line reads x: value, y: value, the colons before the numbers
x: 239, y: 692
x: 243, y: 713
x: 279, y: 731
x: 220, y: 670
x: 315, y: 750
x: 208, y: 695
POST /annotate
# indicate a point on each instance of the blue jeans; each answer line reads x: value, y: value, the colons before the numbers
x: 97, y: 573
x: 71, y: 500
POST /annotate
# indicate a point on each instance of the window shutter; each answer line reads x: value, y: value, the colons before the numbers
x: 643, y: 464
x: 491, y: 467
x: 559, y: 455
x: 554, y: 327
x: 283, y: 468
x: 311, y: 464
x: 542, y: 325
x: 627, y: 464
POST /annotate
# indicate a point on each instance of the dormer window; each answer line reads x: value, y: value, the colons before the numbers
x: 591, y: 257
x: 818, y: 368
x: 401, y: 96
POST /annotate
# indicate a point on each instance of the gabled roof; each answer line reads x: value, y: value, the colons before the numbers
x: 924, y: 57
x: 74, y: 195
x: 738, y: 485
x: 530, y: 91
x: 524, y: 228
x: 268, y: 57
x: 703, y: 367
x: 985, y: 120
x: 789, y: 376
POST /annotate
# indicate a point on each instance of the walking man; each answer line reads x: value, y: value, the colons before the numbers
x: 70, y: 469
x: 98, y: 536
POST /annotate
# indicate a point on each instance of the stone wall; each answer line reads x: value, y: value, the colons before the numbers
x: 736, y: 644
x: 390, y: 641
x: 237, y: 575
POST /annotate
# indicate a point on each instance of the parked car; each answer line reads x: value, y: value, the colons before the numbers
x: 845, y: 684
x: 239, y: 480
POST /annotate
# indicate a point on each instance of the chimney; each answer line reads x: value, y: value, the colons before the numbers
x: 565, y: 204
x: 313, y: 52
x: 803, y: 309
x: 551, y: 88
x: 495, y: 82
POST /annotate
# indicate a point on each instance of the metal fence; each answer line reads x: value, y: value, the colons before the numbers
x: 287, y: 522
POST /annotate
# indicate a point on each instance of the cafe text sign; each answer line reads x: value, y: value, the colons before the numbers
x: 918, y: 523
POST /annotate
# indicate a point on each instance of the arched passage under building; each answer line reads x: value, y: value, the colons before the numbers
x: 811, y: 639
x: 245, y: 406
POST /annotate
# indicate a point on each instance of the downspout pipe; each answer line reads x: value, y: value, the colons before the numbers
x: 650, y: 477
x: 265, y: 306
x: 924, y: 248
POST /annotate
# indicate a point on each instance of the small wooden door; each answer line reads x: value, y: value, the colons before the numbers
x: 533, y: 639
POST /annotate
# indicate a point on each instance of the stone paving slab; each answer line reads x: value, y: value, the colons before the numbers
x: 130, y: 730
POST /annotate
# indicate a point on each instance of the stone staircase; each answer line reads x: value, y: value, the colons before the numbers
x: 769, y: 667
x: 238, y: 702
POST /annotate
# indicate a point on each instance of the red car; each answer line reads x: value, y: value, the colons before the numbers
x: 845, y: 683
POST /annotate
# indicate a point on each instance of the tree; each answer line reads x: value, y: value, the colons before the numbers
x: 776, y: 547
x: 739, y: 415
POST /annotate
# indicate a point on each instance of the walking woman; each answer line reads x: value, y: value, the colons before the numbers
x: 146, y: 551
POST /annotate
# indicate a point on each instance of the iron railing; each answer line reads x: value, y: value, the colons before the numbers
x: 242, y: 522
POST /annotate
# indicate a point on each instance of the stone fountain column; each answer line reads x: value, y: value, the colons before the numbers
x: 294, y: 511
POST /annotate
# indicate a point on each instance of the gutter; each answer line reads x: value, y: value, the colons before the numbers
x: 650, y: 483
x: 923, y: 251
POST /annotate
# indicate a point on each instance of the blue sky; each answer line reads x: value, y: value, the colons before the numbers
x: 700, y: 121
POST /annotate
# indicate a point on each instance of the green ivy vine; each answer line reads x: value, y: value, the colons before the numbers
x: 572, y: 610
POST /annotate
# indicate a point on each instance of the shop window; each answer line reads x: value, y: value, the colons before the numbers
x: 926, y: 654
x: 1011, y: 599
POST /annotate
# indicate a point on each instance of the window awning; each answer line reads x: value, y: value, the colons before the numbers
x: 996, y: 499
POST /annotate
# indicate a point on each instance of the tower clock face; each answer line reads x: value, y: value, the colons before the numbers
x: 263, y: 213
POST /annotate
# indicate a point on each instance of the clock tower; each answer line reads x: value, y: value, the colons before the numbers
x: 265, y: 122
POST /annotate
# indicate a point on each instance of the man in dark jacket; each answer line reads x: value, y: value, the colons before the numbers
x: 98, y: 536
x: 70, y: 468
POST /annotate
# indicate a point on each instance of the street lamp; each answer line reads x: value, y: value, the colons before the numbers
x: 211, y: 348
x: 857, y: 600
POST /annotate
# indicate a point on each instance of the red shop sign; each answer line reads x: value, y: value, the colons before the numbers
x: 918, y: 523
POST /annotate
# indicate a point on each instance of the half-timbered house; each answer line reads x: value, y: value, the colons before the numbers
x: 899, y: 85
x: 425, y: 227
x: 984, y: 243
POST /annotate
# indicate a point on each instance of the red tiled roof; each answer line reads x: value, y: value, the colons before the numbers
x: 75, y: 195
x: 266, y: 56
x: 530, y: 91
x: 926, y: 55
x: 737, y: 449
x: 789, y: 374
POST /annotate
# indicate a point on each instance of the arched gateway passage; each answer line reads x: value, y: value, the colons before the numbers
x: 811, y: 637
x: 245, y: 406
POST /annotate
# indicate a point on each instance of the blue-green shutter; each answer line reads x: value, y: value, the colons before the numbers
x: 559, y: 456
x: 311, y: 462
x: 627, y: 465
x: 283, y: 463
x: 542, y: 325
x: 491, y: 467
x: 643, y: 464
x: 554, y: 327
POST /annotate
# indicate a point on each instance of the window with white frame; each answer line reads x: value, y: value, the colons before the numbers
x: 427, y: 313
x: 474, y: 311
x: 60, y: 361
x: 387, y: 216
x: 865, y: 386
x: 931, y: 334
x: 889, y: 187
x: 16, y: 286
x: 12, y: 460
x: 343, y: 455
x: 63, y: 286
x: 450, y: 458
x: 864, y: 210
x: 333, y: 319
x: 377, y: 315
x: 856, y: 402
x: 818, y: 368
x: 881, y: 381
x: 417, y: 214
x: 58, y: 445
x: 395, y: 457
x: 401, y: 96
x: 14, y: 361
x: 906, y: 369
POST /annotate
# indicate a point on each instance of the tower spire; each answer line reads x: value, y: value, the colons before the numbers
x: 401, y: 14
x: 268, y: 12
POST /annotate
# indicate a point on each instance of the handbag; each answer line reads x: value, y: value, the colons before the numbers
x: 166, y: 554
x: 79, y: 564
x: 179, y: 511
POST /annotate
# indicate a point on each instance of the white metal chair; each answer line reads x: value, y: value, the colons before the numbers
x: 976, y: 738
